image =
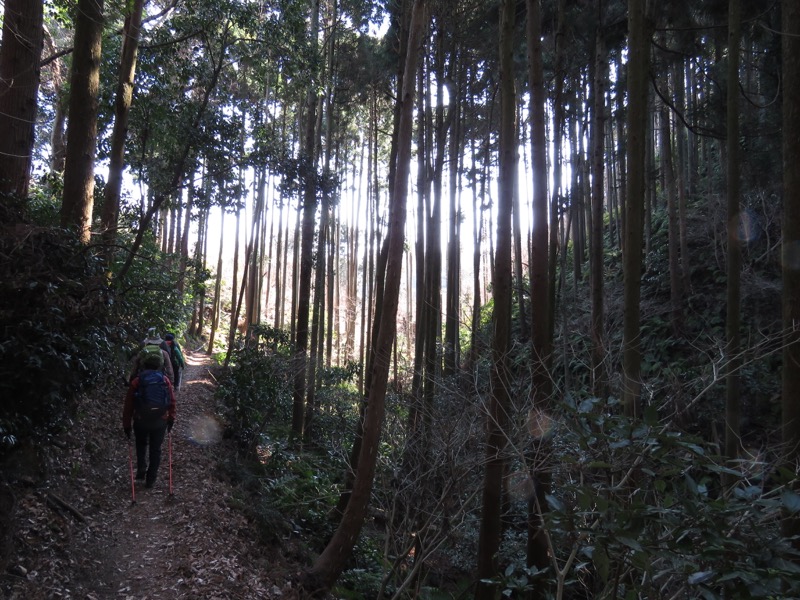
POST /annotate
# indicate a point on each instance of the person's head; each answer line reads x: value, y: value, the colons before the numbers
x: 169, y: 337
x: 151, y: 361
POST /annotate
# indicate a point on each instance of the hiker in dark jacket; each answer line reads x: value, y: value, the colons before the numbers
x: 176, y: 358
x: 166, y: 363
x: 149, y: 430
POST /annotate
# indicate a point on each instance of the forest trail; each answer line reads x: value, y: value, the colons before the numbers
x: 80, y: 536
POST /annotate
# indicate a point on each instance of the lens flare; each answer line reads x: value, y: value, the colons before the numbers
x: 749, y: 227
x: 205, y: 430
x: 540, y: 424
x: 521, y: 486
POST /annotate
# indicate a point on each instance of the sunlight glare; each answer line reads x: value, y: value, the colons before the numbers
x: 205, y: 430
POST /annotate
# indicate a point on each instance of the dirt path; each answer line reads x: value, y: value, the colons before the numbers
x: 79, y: 535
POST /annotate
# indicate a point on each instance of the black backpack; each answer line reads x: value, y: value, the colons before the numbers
x: 151, y: 401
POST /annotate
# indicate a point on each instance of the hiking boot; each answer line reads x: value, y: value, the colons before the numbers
x: 151, y: 479
x: 140, y: 474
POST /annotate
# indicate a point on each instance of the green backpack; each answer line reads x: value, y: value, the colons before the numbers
x: 149, y: 356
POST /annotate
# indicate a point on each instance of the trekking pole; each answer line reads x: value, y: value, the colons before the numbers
x: 130, y: 463
x: 169, y: 444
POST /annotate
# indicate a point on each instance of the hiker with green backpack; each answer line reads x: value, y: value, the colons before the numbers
x: 149, y: 412
x: 153, y: 346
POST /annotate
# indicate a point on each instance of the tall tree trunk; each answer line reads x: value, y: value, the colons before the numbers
x: 673, y: 234
x: 500, y: 402
x: 638, y: 62
x: 185, y: 240
x: 122, y: 106
x: 217, y: 303
x: 597, y: 274
x: 683, y: 178
x: 316, y: 325
x: 420, y: 290
x: 58, y: 143
x: 331, y: 562
x: 790, y: 253
x: 541, y: 336
x: 20, y: 56
x: 309, y: 163
x: 78, y: 200
x: 733, y: 316
x: 451, y: 341
x: 280, y: 272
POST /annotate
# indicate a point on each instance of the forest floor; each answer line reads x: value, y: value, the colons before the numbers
x: 79, y: 534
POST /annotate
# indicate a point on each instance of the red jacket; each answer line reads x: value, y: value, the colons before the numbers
x: 127, y: 411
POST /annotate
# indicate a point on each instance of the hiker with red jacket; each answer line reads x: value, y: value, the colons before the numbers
x: 149, y: 412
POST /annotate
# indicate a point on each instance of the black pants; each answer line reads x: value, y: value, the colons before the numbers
x: 152, y: 435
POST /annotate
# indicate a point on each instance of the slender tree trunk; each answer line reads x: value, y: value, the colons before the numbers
x: 683, y: 177
x: 78, y: 200
x: 235, y: 282
x: 217, y: 304
x: 185, y: 241
x: 541, y: 332
x: 316, y: 325
x: 638, y: 61
x: 451, y: 343
x: 331, y: 562
x: 500, y: 402
x: 673, y: 248
x: 20, y: 56
x: 597, y: 274
x: 733, y: 316
x: 790, y: 253
x: 309, y: 162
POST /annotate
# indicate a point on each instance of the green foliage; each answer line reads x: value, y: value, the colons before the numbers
x: 640, y: 507
x: 257, y: 391
x: 59, y: 335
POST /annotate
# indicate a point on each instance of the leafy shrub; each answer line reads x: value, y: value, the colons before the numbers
x: 58, y: 332
x: 257, y: 390
x: 636, y: 509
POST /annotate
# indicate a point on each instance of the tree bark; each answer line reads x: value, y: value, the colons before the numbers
x: 78, y: 199
x: 309, y: 170
x: 673, y: 233
x: 638, y: 63
x: 791, y: 252
x: 733, y: 315
x: 541, y: 332
x: 20, y: 56
x: 500, y: 401
x: 597, y: 274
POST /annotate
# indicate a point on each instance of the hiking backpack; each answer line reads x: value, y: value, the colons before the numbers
x: 151, y: 350
x: 151, y: 401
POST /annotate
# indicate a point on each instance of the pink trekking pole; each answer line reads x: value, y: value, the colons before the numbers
x: 169, y: 443
x: 130, y: 463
